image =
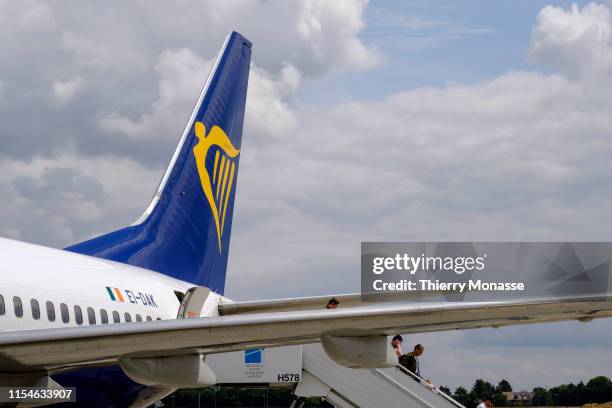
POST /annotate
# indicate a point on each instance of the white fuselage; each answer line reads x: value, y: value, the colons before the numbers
x: 61, y: 283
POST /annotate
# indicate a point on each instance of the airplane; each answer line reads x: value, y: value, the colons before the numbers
x: 130, y: 316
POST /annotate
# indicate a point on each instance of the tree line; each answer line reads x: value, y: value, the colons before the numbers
x: 596, y: 390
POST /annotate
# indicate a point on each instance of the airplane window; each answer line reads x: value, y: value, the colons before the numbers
x: 128, y: 318
x: 78, y: 314
x: 50, y: 311
x: 103, y: 316
x: 149, y: 318
x: 35, y: 309
x: 91, y: 315
x: 18, y: 306
x: 138, y: 318
x: 64, y: 311
x: 2, y: 309
x: 116, y: 318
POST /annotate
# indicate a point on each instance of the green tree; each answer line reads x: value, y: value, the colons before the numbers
x: 600, y: 389
x: 571, y: 394
x: 499, y: 400
x: 445, y: 390
x: 504, y: 386
x: 542, y: 397
x: 482, y: 390
x: 461, y: 395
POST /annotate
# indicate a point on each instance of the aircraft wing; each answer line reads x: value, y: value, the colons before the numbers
x: 59, y: 349
x: 318, y: 302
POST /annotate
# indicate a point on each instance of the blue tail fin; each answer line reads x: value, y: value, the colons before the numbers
x: 185, y: 231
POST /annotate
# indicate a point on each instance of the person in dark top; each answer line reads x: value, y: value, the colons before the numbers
x: 409, y: 361
x: 332, y: 304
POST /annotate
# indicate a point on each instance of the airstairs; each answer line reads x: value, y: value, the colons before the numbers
x: 315, y: 375
x: 350, y: 388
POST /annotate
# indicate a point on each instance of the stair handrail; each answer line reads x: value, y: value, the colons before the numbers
x: 430, y: 386
x: 392, y: 380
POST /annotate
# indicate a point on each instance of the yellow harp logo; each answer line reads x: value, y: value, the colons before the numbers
x: 217, y: 188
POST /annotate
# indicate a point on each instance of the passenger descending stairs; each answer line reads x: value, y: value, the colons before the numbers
x: 364, y: 388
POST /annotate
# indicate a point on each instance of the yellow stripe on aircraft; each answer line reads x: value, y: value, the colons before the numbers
x: 220, y: 175
x: 215, y: 167
x: 229, y: 191
x: 223, y: 187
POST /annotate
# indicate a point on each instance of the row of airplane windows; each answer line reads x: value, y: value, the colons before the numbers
x: 65, y: 314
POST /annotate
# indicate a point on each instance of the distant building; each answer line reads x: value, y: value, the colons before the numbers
x: 521, y: 396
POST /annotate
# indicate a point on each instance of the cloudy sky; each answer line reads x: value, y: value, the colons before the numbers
x: 394, y: 120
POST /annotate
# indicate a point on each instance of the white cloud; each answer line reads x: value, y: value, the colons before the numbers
x: 329, y: 43
x: 577, y: 41
x: 313, y: 35
x: 180, y: 76
x: 65, y: 91
x: 55, y: 201
x: 39, y: 17
x: 269, y: 114
x: 515, y: 158
x: 124, y: 60
x: 108, y: 50
x: 520, y: 157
